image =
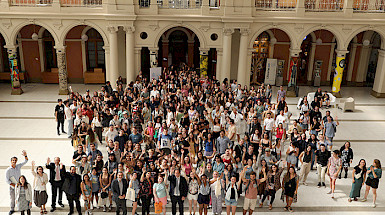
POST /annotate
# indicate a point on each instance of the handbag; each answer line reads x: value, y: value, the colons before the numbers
x: 218, y: 189
x: 158, y: 207
x: 103, y: 195
x: 130, y: 194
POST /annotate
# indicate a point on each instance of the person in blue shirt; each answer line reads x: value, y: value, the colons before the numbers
x: 218, y: 166
x: 374, y: 174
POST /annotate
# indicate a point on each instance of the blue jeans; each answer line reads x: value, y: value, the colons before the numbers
x: 232, y: 202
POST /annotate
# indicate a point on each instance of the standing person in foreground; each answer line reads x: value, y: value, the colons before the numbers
x: 290, y: 188
x: 119, y: 190
x: 59, y: 116
x: 39, y: 186
x: 23, y: 193
x: 359, y: 175
x: 178, y: 191
x: 334, y: 168
x: 56, y: 178
x: 71, y: 187
x: 12, y: 176
x: 374, y: 175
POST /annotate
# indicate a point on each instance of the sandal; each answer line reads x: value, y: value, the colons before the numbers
x: 291, y: 209
x: 285, y: 208
x: 41, y: 211
x: 45, y: 212
x: 349, y: 200
x: 270, y: 207
x: 261, y: 205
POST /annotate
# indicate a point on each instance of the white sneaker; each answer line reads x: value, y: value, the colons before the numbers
x: 304, y: 183
x: 332, y: 195
x: 374, y: 205
x: 330, y: 192
x: 364, y: 200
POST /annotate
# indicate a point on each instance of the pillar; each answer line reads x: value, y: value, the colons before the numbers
x: 15, y: 77
x: 339, y: 70
x: 331, y: 56
x: 165, y: 50
x: 138, y: 63
x: 310, y: 67
x: 130, y: 54
x: 203, y: 61
x: 113, y: 74
x: 243, y: 77
x: 352, y: 58
x: 379, y: 81
x: 226, y: 59
x: 62, y: 70
x: 363, y: 64
x: 107, y: 60
x: 248, y: 65
x: 190, y: 53
x: 293, y: 66
x: 219, y: 64
x: 154, y: 57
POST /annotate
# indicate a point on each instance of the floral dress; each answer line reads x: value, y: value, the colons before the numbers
x: 334, y: 165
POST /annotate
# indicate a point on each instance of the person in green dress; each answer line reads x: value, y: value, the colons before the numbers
x: 359, y: 175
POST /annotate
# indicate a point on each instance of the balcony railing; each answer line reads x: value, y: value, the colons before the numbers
x: 81, y: 3
x: 180, y: 4
x: 275, y: 4
x: 31, y: 3
x: 324, y: 5
x: 369, y: 6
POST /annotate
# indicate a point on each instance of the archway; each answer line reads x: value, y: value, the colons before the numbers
x: 4, y: 62
x: 317, y: 58
x: 264, y: 47
x: 86, y: 61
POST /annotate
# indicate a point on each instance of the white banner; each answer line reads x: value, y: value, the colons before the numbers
x: 155, y: 73
x: 271, y: 71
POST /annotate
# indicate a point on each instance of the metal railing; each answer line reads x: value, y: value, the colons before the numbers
x: 324, y: 5
x: 275, y: 4
x: 81, y: 3
x: 369, y: 6
x: 180, y: 4
x: 31, y: 3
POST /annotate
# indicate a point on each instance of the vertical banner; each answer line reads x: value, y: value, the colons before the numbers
x: 340, y: 65
x: 155, y: 73
x: 271, y: 71
x: 204, y: 63
x: 15, y: 78
x: 293, y: 72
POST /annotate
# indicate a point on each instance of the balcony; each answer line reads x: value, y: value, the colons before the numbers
x: 31, y: 3
x: 272, y: 5
x: 179, y: 4
x: 63, y: 3
x: 324, y: 5
x: 368, y: 6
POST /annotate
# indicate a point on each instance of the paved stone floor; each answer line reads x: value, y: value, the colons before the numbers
x: 27, y: 122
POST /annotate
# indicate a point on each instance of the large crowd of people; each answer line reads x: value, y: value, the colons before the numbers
x: 185, y: 138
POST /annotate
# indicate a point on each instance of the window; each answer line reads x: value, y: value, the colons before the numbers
x: 95, y: 51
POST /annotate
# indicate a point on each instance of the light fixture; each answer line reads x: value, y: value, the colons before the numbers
x: 318, y: 41
x: 366, y: 42
x: 84, y: 37
x: 273, y: 40
x: 35, y: 36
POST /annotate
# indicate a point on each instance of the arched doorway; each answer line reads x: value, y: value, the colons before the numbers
x: 304, y: 58
x: 372, y: 66
x: 4, y: 62
x: 85, y: 55
x: 264, y: 47
x: 50, y: 60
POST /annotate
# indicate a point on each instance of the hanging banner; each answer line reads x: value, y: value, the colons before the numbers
x: 204, y: 63
x: 155, y: 73
x: 15, y: 78
x: 339, y: 70
x: 293, y: 72
x: 271, y: 71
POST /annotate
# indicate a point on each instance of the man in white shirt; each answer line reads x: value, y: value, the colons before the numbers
x: 281, y: 118
x: 111, y: 133
x: 154, y: 92
x: 69, y: 118
x: 268, y: 124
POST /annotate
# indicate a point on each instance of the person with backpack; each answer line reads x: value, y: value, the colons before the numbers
x: 330, y: 129
x: 251, y: 191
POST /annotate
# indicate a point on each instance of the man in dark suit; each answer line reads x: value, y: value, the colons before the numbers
x: 56, y: 178
x: 71, y: 187
x: 119, y: 189
x: 178, y: 191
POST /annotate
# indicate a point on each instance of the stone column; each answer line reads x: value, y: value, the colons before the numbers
x: 114, y: 56
x: 165, y: 50
x: 379, y: 81
x: 154, y: 57
x: 352, y: 58
x: 363, y: 64
x: 243, y: 77
x: 310, y: 67
x: 226, y: 59
x: 248, y: 65
x: 203, y: 61
x: 15, y: 77
x: 62, y: 69
x: 190, y: 53
x: 219, y: 63
x: 293, y: 67
x: 339, y: 70
x: 107, y: 61
x: 130, y: 54
x: 138, y: 62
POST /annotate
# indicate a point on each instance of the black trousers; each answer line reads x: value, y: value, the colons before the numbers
x: 176, y: 200
x: 56, y: 186
x: 121, y: 204
x: 71, y: 199
x: 270, y: 193
x: 60, y: 121
x: 146, y: 204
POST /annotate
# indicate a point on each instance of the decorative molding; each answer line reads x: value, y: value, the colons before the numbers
x: 245, y: 31
x: 82, y: 21
x: 298, y: 28
x: 112, y: 29
x: 58, y: 24
x: 205, y: 26
x: 154, y: 27
x: 346, y: 28
x: 228, y: 31
x: 129, y: 29
x: 7, y: 23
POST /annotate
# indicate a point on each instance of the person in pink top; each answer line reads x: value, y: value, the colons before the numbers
x: 334, y: 168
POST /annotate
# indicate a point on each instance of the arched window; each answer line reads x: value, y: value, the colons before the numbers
x: 95, y: 51
x: 49, y: 51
